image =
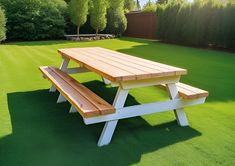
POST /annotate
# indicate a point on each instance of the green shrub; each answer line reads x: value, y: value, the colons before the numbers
x: 2, y: 25
x: 201, y: 23
x: 34, y: 19
x: 117, y: 22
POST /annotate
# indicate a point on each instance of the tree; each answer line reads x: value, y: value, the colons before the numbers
x: 2, y: 25
x: 149, y: 7
x: 98, y: 15
x: 117, y: 22
x: 162, y: 1
x: 78, y: 10
x: 129, y: 5
x: 138, y: 4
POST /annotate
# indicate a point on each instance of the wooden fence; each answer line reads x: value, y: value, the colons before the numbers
x: 141, y: 25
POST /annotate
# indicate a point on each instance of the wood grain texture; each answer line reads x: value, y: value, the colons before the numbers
x: 87, y: 103
x: 117, y: 66
x: 188, y: 92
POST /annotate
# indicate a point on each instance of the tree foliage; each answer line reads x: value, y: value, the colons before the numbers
x: 98, y: 14
x: 2, y: 25
x: 202, y: 23
x: 129, y: 5
x: 149, y: 7
x: 117, y: 22
x: 162, y: 1
x: 78, y: 11
x: 34, y: 19
x: 138, y: 5
x: 43, y: 19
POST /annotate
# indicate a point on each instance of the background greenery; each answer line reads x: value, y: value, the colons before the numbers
x: 202, y: 23
x: 43, y: 19
x: 2, y: 25
x: 98, y: 12
x: 34, y: 19
x: 116, y: 19
x: 78, y: 11
x: 35, y: 130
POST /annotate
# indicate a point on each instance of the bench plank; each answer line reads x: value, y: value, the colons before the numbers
x: 101, y: 104
x: 87, y: 103
x: 187, y: 91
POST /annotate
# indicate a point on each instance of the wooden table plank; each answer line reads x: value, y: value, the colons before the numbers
x: 105, y: 70
x: 141, y: 62
x: 129, y: 63
x: 117, y: 66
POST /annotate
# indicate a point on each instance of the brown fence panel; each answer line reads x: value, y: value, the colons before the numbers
x: 141, y: 25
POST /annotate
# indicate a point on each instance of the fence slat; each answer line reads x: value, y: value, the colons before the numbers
x: 141, y: 25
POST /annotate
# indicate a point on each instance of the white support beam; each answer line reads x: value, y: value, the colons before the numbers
x: 110, y: 125
x: 145, y: 109
x: 107, y: 133
x: 72, y: 109
x: 106, y: 81
x: 52, y: 88
x: 120, y: 98
x: 64, y: 64
x: 179, y: 112
x: 61, y: 99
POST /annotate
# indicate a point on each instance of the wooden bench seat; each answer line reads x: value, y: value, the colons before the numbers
x: 87, y: 103
x: 188, y: 92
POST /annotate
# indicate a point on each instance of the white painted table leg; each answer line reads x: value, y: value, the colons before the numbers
x: 110, y: 126
x: 179, y: 113
x: 106, y: 81
x: 52, y: 88
x: 61, y: 99
x: 181, y: 117
x: 72, y: 110
x: 63, y: 67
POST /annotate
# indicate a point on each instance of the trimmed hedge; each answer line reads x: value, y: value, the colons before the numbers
x: 2, y: 25
x: 34, y: 19
x: 202, y: 23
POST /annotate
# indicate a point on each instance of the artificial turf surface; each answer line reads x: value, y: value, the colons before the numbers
x: 36, y: 131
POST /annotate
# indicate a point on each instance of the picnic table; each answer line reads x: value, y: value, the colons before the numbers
x: 125, y: 72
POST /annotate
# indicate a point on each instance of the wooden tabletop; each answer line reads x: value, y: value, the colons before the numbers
x: 117, y: 66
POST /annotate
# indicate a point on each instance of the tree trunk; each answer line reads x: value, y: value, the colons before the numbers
x: 97, y: 32
x: 78, y: 30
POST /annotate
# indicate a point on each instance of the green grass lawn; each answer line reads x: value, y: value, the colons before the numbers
x: 35, y: 131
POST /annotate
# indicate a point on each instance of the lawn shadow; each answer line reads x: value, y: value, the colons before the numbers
x: 44, y: 133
